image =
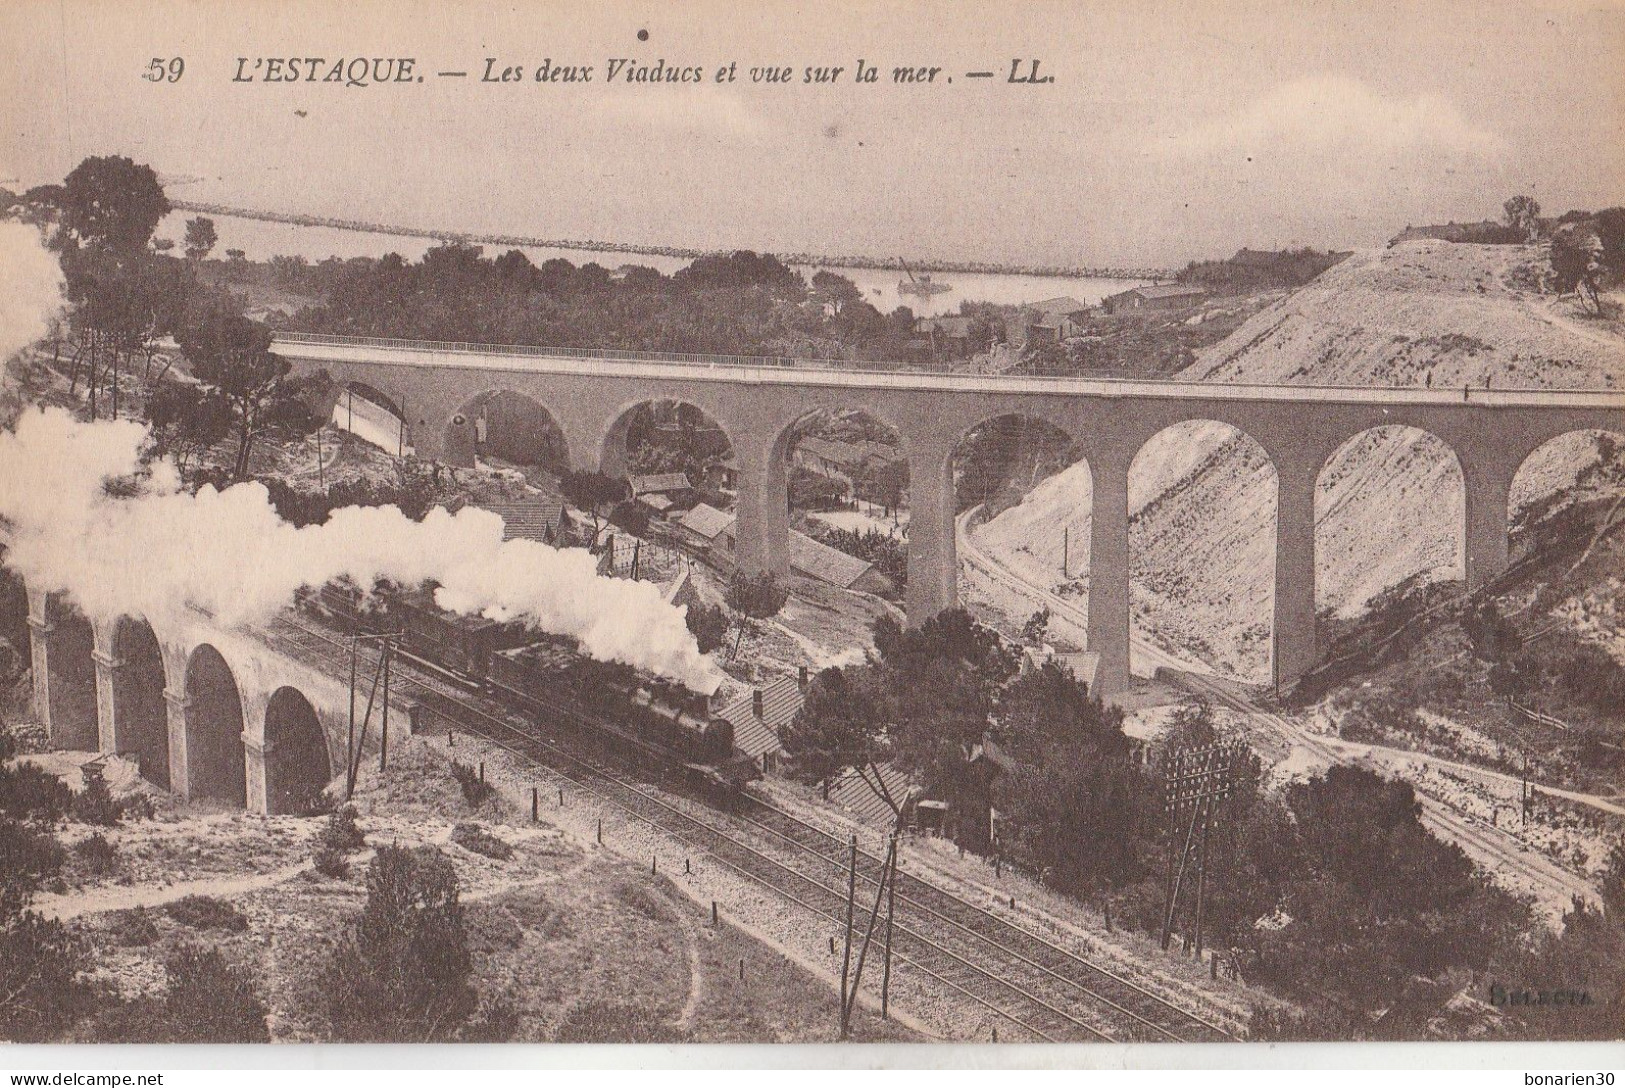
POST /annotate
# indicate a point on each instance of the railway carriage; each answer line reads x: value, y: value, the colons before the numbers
x: 654, y: 721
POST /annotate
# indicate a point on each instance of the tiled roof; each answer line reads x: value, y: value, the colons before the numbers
x: 528, y: 520
x: 1062, y: 304
x: 664, y: 481
x: 781, y: 702
x: 1167, y: 290
x: 854, y: 796
x: 707, y: 521
x: 827, y: 564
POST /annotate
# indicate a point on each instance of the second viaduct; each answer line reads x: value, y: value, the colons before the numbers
x: 591, y: 396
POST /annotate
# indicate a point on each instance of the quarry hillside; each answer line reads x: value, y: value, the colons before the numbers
x: 1202, y: 495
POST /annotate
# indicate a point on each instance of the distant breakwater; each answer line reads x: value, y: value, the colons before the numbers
x: 812, y: 260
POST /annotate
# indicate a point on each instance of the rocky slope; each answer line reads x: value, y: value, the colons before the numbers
x: 1390, y: 503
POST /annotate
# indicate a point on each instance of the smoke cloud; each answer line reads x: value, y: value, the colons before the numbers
x: 150, y: 548
x: 30, y: 288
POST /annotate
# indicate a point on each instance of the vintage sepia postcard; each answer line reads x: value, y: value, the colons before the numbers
x: 1064, y: 522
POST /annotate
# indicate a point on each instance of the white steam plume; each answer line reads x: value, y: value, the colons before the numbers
x: 160, y: 549
x: 156, y: 549
x: 30, y: 288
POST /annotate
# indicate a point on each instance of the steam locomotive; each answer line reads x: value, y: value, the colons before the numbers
x: 656, y: 722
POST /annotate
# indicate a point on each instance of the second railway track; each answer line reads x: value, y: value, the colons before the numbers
x: 1028, y: 986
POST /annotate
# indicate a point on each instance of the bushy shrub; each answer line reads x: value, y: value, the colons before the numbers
x: 133, y: 928
x: 40, y: 966
x: 708, y: 623
x: 27, y: 858
x: 95, y: 804
x: 207, y: 912
x: 96, y: 854
x: 475, y: 789
x: 402, y: 974
x: 475, y: 839
x: 340, y: 832
x: 211, y: 1001
x: 29, y: 793
x: 330, y: 862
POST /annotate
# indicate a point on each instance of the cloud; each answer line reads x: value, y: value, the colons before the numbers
x: 1335, y: 116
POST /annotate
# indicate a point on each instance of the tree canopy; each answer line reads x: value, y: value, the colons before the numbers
x: 110, y: 201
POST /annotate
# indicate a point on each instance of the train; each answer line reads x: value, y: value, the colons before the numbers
x: 657, y: 723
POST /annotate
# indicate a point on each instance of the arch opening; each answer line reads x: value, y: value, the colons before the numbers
x: 216, y: 767
x: 1023, y: 497
x: 505, y: 427
x: 1566, y: 471
x: 1202, y: 501
x: 297, y: 763
x: 71, y: 677
x: 372, y: 416
x: 1390, y: 509
x: 847, y: 489
x: 675, y: 450
x: 140, y: 716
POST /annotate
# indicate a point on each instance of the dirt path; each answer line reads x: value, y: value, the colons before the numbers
x: 100, y: 900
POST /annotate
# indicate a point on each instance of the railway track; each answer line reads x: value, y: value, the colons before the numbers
x: 1028, y: 987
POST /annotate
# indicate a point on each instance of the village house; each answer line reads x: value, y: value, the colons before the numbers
x: 1052, y: 320
x: 949, y: 335
x: 660, y: 492
x: 543, y: 522
x: 1161, y: 296
x: 710, y: 531
x: 761, y: 715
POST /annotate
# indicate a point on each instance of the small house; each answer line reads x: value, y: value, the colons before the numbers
x: 1160, y: 296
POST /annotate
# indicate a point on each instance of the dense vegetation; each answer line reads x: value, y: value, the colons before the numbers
x: 1260, y: 270
x: 739, y: 304
x: 1330, y: 890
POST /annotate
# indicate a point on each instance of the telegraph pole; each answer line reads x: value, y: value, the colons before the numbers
x: 1196, y: 782
x: 846, y: 956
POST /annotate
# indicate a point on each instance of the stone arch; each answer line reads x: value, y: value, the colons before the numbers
x: 1395, y: 483
x: 1562, y: 467
x: 216, y: 768
x: 1203, y: 500
x: 1029, y: 495
x: 140, y: 714
x: 64, y: 646
x: 298, y: 765
x: 517, y: 428
x: 371, y: 415
x: 855, y: 453
x: 697, y: 436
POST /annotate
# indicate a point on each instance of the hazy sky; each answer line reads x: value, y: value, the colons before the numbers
x: 1171, y: 130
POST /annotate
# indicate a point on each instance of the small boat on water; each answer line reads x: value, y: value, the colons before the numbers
x: 921, y: 285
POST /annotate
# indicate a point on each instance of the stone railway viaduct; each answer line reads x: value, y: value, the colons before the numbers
x: 219, y: 715
x: 212, y: 714
x: 435, y: 388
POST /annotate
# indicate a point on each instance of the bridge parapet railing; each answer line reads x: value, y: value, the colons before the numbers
x: 1608, y: 397
x: 611, y: 354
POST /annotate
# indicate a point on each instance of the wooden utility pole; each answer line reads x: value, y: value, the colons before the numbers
x: 383, y: 746
x: 868, y: 936
x: 851, y: 896
x: 1196, y: 782
x: 891, y: 911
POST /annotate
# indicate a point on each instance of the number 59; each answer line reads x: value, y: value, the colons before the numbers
x: 165, y: 71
